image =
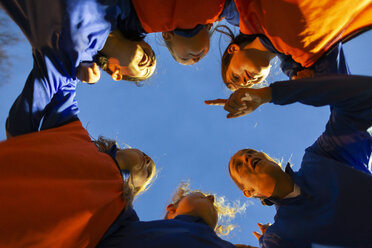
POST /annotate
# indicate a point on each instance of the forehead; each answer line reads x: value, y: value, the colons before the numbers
x: 239, y: 156
x: 244, y: 152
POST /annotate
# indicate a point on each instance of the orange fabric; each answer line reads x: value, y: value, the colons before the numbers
x: 305, y: 29
x: 167, y: 15
x: 56, y: 190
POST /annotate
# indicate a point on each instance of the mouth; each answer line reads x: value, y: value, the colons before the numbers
x: 249, y: 76
x: 198, y: 55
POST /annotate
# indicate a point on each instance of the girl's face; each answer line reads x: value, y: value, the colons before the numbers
x: 188, y: 50
x: 195, y: 204
x: 247, y: 67
x: 256, y: 172
x: 138, y: 163
x: 140, y: 63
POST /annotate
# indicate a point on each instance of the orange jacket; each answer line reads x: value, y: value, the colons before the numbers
x: 167, y: 15
x: 304, y: 29
x: 57, y: 190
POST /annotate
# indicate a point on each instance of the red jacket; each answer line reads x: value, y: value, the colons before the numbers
x: 304, y: 29
x: 57, y: 190
x: 167, y: 15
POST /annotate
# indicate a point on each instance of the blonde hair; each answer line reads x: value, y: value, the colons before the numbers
x: 129, y: 191
x: 226, y: 211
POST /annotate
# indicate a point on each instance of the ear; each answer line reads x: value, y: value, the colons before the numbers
x: 247, y: 193
x: 167, y: 36
x: 171, y: 211
x: 233, y: 48
x: 116, y: 76
x: 171, y: 208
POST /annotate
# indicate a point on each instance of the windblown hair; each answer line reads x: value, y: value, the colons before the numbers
x: 240, y: 40
x: 103, y: 144
x: 226, y: 211
x: 129, y: 191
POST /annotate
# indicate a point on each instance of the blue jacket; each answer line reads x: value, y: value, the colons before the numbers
x: 333, y: 62
x: 62, y: 34
x: 182, y: 232
x: 334, y: 207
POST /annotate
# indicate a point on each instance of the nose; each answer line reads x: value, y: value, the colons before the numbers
x: 211, y: 198
x: 196, y: 59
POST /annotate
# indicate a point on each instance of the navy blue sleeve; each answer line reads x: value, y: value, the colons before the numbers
x: 348, y: 134
x: 272, y: 240
x: 46, y: 101
x: 230, y: 13
x: 288, y: 66
x: 110, y: 238
x: 70, y: 31
x: 333, y: 62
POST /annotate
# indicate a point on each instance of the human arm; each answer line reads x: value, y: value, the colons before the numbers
x: 347, y: 137
x: 349, y: 93
x: 47, y: 100
x: 332, y: 62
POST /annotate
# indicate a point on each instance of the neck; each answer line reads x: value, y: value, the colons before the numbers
x: 109, y: 45
x: 197, y: 214
x: 257, y: 44
x: 283, y: 187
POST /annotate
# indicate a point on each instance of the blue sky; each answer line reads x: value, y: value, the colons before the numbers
x: 188, y: 140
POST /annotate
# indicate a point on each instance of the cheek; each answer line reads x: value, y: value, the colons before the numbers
x: 265, y: 72
x: 266, y: 185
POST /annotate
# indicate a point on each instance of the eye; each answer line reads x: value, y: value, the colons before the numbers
x: 235, y: 78
x: 254, y: 162
x: 239, y: 164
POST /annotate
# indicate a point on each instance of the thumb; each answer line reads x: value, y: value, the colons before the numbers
x: 219, y: 102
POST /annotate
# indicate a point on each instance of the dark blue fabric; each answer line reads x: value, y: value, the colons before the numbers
x: 129, y: 24
x: 182, y: 232
x: 334, y: 207
x: 230, y: 13
x: 189, y: 32
x: 333, y: 62
x: 62, y: 34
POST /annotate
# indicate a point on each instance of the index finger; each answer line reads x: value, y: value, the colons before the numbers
x: 218, y: 102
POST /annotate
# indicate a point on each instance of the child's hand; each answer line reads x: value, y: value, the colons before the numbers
x: 305, y: 73
x: 243, y: 101
x: 263, y: 229
x: 88, y: 73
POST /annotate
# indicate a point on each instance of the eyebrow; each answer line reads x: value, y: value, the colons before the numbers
x: 236, y: 164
